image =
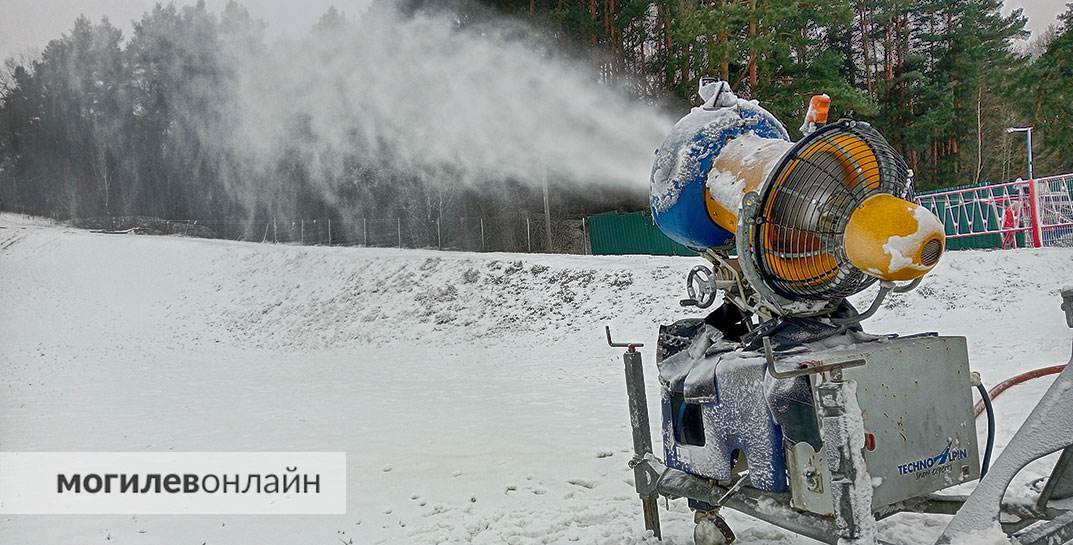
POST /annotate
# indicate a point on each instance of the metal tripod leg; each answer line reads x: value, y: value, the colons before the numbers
x: 1048, y: 429
x: 1060, y: 484
x: 642, y: 435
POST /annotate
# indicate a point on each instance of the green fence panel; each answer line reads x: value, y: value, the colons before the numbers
x: 981, y: 218
x: 622, y: 233
x: 618, y: 233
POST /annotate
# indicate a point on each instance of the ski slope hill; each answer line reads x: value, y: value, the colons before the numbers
x: 473, y: 392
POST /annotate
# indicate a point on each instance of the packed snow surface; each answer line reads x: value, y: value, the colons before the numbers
x: 474, y: 393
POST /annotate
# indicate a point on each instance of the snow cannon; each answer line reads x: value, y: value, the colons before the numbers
x: 777, y: 403
x: 811, y: 222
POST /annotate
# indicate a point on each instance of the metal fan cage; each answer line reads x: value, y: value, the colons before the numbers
x: 805, y: 206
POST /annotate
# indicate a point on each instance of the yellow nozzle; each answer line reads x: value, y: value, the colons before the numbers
x: 893, y: 239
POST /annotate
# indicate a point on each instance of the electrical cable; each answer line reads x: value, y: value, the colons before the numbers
x: 986, y: 400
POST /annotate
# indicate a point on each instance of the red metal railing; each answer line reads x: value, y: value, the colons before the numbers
x: 1055, y: 198
x: 1040, y: 210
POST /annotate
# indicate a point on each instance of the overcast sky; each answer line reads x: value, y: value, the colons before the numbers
x: 30, y: 24
x: 27, y: 25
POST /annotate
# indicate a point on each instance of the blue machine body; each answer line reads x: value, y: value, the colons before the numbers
x: 736, y: 423
x: 716, y: 407
x: 684, y: 160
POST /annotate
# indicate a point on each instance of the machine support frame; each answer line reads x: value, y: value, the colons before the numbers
x: 642, y: 430
x: 834, y: 409
x: 1041, y: 525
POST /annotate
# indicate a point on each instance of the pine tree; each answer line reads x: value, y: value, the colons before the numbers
x: 1048, y: 100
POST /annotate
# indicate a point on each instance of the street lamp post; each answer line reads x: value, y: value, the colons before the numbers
x: 1033, y: 193
x: 1028, y: 132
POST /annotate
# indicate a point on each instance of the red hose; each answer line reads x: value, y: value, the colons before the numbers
x: 1014, y: 381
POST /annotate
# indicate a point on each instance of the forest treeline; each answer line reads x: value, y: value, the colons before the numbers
x: 941, y: 79
x: 100, y: 124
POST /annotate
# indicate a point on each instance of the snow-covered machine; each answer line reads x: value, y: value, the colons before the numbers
x: 777, y: 403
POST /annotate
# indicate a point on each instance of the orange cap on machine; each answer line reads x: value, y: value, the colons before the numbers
x: 818, y: 107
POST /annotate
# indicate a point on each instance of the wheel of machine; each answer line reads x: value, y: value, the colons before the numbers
x: 711, y: 529
x: 700, y: 287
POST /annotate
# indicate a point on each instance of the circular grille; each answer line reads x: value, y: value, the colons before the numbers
x: 806, y: 205
x: 929, y: 255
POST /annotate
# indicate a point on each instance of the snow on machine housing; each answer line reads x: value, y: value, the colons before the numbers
x: 817, y: 220
x: 777, y: 404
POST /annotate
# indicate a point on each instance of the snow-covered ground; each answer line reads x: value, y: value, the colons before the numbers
x: 474, y: 393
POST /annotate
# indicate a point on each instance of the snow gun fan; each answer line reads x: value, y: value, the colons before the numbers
x: 833, y: 219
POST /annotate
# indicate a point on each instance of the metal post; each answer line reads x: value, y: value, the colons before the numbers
x: 302, y: 232
x: 547, y: 214
x: 439, y: 240
x: 585, y: 234
x: 843, y: 442
x: 1037, y: 228
x: 1033, y: 210
x: 399, y: 223
x: 482, y: 233
x: 642, y: 432
x: 1030, y: 175
x: 275, y: 233
x: 1033, y: 192
x: 329, y: 231
x: 364, y: 231
x: 528, y: 237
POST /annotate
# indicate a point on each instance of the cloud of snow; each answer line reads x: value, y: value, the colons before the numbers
x: 471, y: 105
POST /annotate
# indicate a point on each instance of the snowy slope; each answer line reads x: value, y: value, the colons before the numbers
x: 473, y: 392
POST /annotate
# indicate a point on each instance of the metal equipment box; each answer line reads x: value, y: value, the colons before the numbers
x: 916, y: 399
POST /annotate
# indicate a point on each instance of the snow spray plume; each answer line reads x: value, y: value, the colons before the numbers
x: 449, y: 106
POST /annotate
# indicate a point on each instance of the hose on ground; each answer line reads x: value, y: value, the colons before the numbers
x: 1014, y: 381
x: 984, y: 406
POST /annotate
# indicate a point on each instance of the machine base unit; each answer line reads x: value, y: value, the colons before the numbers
x: 915, y: 396
x: 724, y: 411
